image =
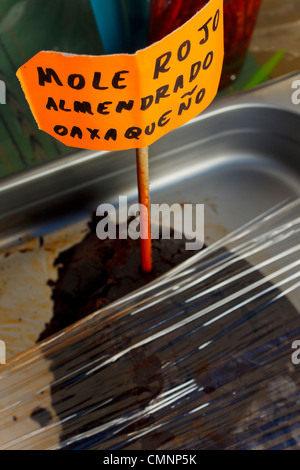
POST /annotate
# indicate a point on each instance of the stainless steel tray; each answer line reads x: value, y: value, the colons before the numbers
x: 239, y: 158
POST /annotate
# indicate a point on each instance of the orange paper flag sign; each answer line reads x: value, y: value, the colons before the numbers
x: 125, y: 101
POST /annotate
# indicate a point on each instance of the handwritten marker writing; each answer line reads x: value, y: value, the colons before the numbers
x: 124, y: 101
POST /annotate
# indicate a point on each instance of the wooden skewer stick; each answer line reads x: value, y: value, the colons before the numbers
x: 142, y: 163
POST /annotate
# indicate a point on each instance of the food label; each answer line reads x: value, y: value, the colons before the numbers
x: 123, y: 101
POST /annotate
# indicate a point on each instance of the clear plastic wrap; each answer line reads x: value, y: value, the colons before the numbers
x: 199, y: 359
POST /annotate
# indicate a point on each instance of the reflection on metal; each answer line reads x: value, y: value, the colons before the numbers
x: 2, y: 92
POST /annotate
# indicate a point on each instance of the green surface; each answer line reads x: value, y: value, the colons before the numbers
x: 26, y: 27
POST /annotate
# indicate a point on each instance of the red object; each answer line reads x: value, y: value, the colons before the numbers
x: 239, y: 21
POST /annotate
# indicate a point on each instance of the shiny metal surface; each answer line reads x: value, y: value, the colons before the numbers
x: 239, y: 158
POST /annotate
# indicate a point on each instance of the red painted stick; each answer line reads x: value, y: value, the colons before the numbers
x: 145, y: 225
